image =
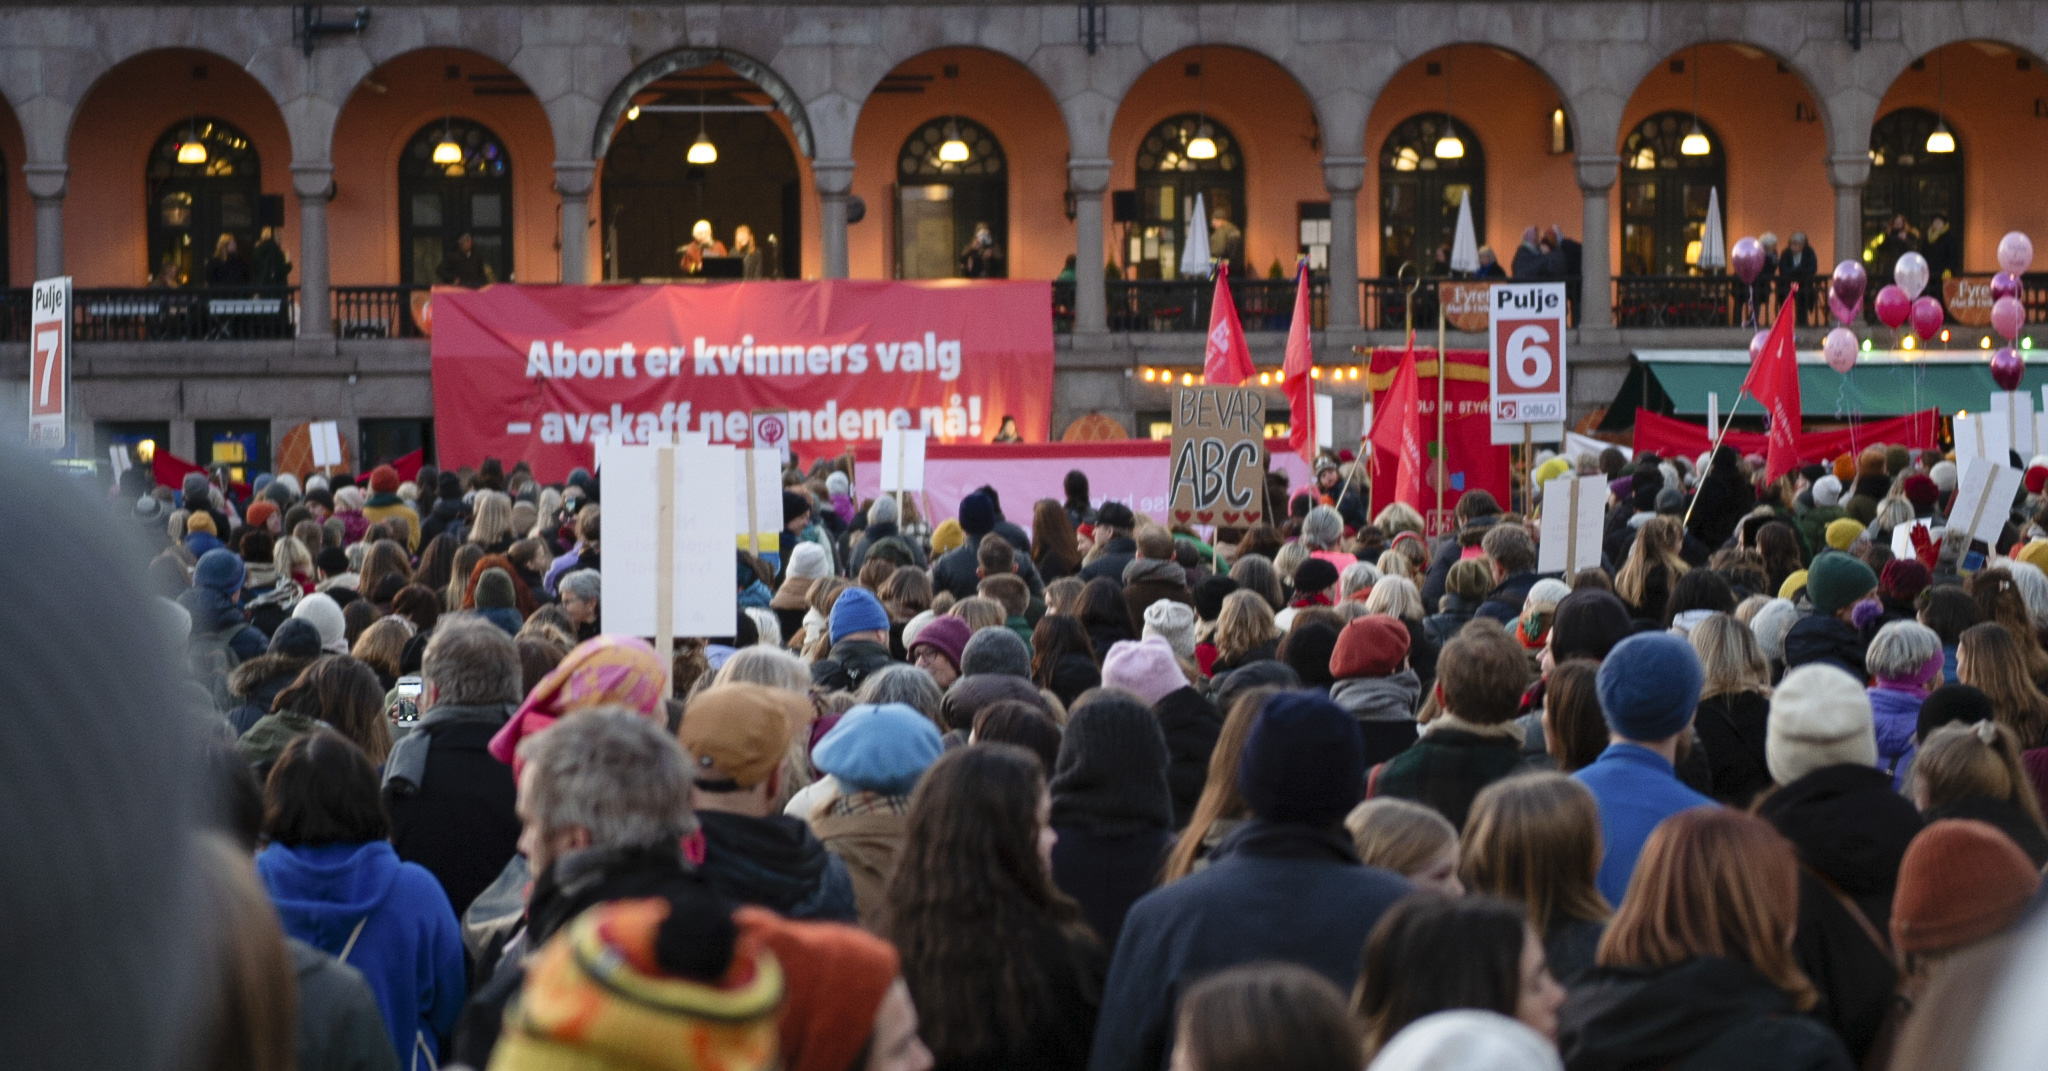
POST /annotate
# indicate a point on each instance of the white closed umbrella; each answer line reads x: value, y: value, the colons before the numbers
x: 1194, y: 253
x: 1465, y: 247
x: 1713, y: 246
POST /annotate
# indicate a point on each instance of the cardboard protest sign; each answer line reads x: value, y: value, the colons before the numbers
x: 1219, y: 472
x: 1984, y: 499
x: 2017, y: 407
x: 1574, y: 511
x: 759, y: 515
x: 669, y: 520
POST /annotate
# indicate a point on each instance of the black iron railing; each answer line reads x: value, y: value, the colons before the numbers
x: 1383, y: 302
x: 377, y: 311
x: 239, y: 313
x: 1150, y: 305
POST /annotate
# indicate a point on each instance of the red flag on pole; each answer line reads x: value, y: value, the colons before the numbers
x: 170, y: 470
x: 1297, y: 375
x: 1774, y: 381
x: 1397, y: 431
x: 1227, y: 361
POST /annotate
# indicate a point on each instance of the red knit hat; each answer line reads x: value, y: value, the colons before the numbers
x: 1921, y: 491
x: 2036, y: 478
x: 837, y: 977
x: 1960, y: 882
x: 384, y: 480
x: 1370, y: 646
x: 1845, y: 468
x: 260, y: 512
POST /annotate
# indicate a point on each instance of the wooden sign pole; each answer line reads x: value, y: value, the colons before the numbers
x: 753, y: 509
x: 665, y: 558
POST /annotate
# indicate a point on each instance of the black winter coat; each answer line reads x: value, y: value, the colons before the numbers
x: 1107, y: 873
x: 1121, y: 550
x: 959, y: 571
x: 1705, y: 1014
x: 849, y: 663
x: 1824, y: 638
x: 460, y: 823
x: 1851, y: 831
x: 1724, y: 496
x: 256, y: 683
x: 1731, y: 728
x: 1191, y: 724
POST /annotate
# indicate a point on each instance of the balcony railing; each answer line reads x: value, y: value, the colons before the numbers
x: 377, y: 311
x: 1157, y: 305
x: 1383, y: 302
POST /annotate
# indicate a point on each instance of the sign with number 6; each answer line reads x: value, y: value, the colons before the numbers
x: 1526, y: 339
x: 49, y: 364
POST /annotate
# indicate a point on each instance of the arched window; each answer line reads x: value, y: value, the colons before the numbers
x: 1664, y: 194
x: 1906, y: 180
x: 193, y: 203
x: 941, y: 204
x: 438, y: 203
x: 1420, y: 192
x: 1168, y: 180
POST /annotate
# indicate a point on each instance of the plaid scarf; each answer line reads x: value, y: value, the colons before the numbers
x: 853, y: 803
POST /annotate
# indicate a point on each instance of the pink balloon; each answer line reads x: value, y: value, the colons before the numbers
x: 1746, y: 259
x: 2008, y: 316
x: 1845, y: 313
x: 2007, y: 368
x: 2015, y: 252
x: 1893, y: 306
x: 1927, y: 317
x: 2005, y: 284
x: 1849, y: 283
x: 1756, y: 346
x: 1840, y: 349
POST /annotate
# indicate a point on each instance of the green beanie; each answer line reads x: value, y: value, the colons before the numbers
x: 1836, y: 580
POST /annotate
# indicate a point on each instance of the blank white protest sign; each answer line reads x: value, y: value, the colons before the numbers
x: 702, y: 596
x: 1574, y: 513
x: 902, y: 460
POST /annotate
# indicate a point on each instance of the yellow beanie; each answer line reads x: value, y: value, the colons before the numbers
x: 1792, y: 586
x: 2034, y: 553
x: 1551, y: 470
x: 946, y: 536
x: 1843, y: 532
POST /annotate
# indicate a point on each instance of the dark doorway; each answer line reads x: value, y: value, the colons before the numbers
x: 1421, y: 188
x: 1169, y: 177
x: 1665, y: 193
x: 439, y: 202
x: 202, y: 181
x: 1906, y: 179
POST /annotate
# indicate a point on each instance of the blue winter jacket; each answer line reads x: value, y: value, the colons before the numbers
x: 1635, y: 789
x: 1896, y: 716
x: 410, y: 947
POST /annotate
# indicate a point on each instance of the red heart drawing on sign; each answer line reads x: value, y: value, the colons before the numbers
x: 1230, y: 516
x: 1205, y: 516
x: 1182, y: 515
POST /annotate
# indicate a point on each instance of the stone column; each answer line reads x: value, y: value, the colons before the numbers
x: 1342, y: 176
x: 835, y: 183
x: 1597, y: 175
x: 46, y: 184
x: 1088, y: 178
x: 1847, y: 172
x: 572, y: 181
x: 314, y: 183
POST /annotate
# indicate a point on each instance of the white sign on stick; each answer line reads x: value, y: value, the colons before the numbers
x: 1574, y: 513
x: 1984, y: 498
x: 1987, y: 435
x: 1526, y: 344
x: 698, y: 497
x: 762, y: 519
x: 325, y: 438
x: 1902, y: 537
x: 2017, y: 406
x: 49, y: 363
x: 1326, y: 419
x: 902, y: 460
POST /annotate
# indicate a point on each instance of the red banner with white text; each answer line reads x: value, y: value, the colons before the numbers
x: 544, y: 373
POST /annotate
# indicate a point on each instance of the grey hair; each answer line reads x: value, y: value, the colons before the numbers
x: 1322, y: 528
x: 1901, y: 650
x: 883, y: 511
x: 583, y: 583
x: 611, y: 772
x: 908, y: 685
x: 1395, y: 595
x: 2033, y: 585
x: 1357, y: 577
x: 470, y: 662
x: 769, y: 666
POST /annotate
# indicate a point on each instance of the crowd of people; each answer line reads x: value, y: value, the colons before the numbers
x: 1070, y: 790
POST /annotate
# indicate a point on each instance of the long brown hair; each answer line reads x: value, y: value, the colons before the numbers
x: 1571, y: 714
x: 1245, y: 622
x: 1220, y: 800
x: 971, y: 907
x: 1054, y: 548
x: 1992, y: 660
x: 344, y: 693
x: 1957, y: 762
x: 1712, y: 882
x: 459, y: 571
x: 1657, y: 543
x: 1999, y: 599
x: 1535, y: 839
x: 250, y: 1025
x: 1267, y: 1015
x: 1729, y: 654
x: 384, y: 558
x: 1055, y: 637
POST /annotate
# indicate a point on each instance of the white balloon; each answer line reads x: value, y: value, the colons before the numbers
x: 1840, y: 349
x: 1910, y: 273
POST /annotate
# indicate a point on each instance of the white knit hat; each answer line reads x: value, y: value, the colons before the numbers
x: 808, y: 562
x: 1173, y: 622
x: 1772, y: 621
x: 1827, y: 491
x: 324, y: 614
x: 1467, y: 1040
x: 1820, y: 716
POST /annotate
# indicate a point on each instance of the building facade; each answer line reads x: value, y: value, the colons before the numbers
x: 558, y: 138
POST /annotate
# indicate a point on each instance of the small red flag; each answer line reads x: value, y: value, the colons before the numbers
x: 1397, y: 432
x: 170, y: 470
x: 1227, y: 361
x: 409, y: 465
x: 1297, y: 375
x: 1774, y: 381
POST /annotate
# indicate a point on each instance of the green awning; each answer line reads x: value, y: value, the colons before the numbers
x: 1886, y: 388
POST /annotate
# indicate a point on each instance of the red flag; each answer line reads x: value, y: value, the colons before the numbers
x: 170, y: 470
x: 409, y: 466
x: 1397, y: 431
x: 1297, y: 376
x: 1227, y: 361
x: 1774, y: 381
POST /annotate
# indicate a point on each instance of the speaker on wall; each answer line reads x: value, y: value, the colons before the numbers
x: 1123, y: 206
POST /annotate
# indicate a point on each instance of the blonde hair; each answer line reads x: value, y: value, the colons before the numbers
x: 980, y: 613
x: 493, y: 522
x: 1394, y: 563
x: 1958, y: 761
x: 1399, y: 517
x: 291, y: 558
x: 1991, y: 659
x: 1400, y: 835
x: 1657, y: 543
x: 1395, y: 596
x: 1470, y: 578
x: 1535, y: 839
x: 1731, y: 657
x: 1288, y: 559
x: 550, y: 504
x: 1245, y: 622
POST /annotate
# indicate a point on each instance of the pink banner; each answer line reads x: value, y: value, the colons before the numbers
x: 1131, y: 471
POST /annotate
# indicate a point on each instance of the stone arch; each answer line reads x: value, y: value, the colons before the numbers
x: 683, y: 59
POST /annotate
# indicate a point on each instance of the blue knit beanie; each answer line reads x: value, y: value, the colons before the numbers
x: 219, y: 570
x: 857, y: 610
x: 1304, y: 760
x: 879, y: 748
x: 1649, y: 685
x: 977, y: 514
